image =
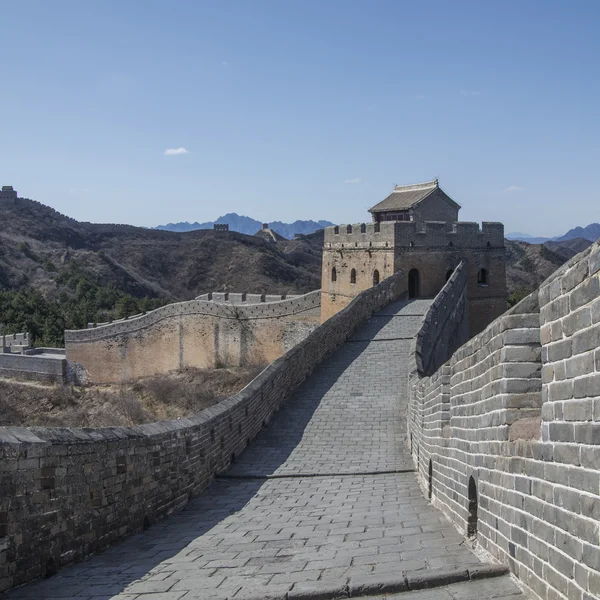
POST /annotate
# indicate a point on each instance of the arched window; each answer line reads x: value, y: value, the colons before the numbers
x: 482, y: 277
x: 348, y: 228
x: 449, y: 273
x: 472, y: 519
x: 353, y: 276
x: 363, y: 228
x: 375, y: 277
x: 333, y: 274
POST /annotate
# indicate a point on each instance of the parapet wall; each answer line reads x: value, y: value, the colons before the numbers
x: 446, y: 324
x: 198, y: 333
x: 70, y: 492
x: 18, y: 341
x: 245, y: 298
x: 506, y: 435
x: 412, y: 234
x: 32, y: 367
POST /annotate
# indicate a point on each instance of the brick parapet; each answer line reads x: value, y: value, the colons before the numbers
x: 67, y: 493
x: 266, y: 310
x: 570, y: 332
x: 30, y: 367
x: 445, y: 326
x: 535, y: 465
x: 413, y: 234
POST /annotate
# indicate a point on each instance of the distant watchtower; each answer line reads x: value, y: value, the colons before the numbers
x: 416, y: 230
x: 8, y: 195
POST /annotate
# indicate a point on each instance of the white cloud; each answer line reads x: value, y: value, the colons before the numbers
x: 511, y: 189
x: 470, y: 93
x: 357, y: 180
x: 175, y: 151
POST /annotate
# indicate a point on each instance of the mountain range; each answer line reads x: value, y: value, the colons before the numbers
x: 591, y: 233
x: 249, y: 226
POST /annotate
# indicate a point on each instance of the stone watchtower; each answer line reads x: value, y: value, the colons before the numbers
x: 8, y: 196
x: 416, y: 230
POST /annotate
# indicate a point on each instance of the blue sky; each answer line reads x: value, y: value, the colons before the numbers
x: 300, y: 109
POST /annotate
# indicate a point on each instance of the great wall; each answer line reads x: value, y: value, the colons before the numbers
x: 396, y: 447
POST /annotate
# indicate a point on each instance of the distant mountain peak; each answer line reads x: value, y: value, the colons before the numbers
x: 591, y: 232
x: 250, y: 226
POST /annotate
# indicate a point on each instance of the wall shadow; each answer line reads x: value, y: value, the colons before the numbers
x: 119, y: 568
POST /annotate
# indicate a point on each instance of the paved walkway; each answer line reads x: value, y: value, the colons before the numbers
x: 324, y: 498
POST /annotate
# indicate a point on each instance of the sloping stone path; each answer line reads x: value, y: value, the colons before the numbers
x: 324, y: 500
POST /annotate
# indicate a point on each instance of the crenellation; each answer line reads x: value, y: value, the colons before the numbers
x: 199, y: 333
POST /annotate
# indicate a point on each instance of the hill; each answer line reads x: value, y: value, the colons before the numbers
x: 247, y: 225
x: 591, y: 232
x: 527, y: 265
x: 56, y: 272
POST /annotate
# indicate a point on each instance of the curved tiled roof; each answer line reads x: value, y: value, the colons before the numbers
x: 406, y: 196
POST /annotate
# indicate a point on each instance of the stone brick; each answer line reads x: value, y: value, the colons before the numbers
x: 574, y: 276
x: 595, y: 310
x: 582, y: 364
x: 585, y: 293
x: 587, y: 433
x: 577, y: 410
x: 560, y: 390
x: 594, y: 262
x: 560, y: 350
x: 588, y: 339
x: 587, y: 386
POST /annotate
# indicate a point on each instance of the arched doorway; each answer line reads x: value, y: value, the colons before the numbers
x: 414, y: 284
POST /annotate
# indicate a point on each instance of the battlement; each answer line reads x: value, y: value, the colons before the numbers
x: 14, y: 343
x: 411, y: 234
x: 244, y: 297
x: 361, y: 235
x: 201, y: 306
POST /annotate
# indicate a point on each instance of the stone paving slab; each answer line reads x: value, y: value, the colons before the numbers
x: 350, y: 416
x: 342, y: 510
x: 272, y: 534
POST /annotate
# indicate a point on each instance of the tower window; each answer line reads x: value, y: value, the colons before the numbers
x: 482, y: 277
x: 333, y: 274
x: 375, y: 277
x: 353, y: 276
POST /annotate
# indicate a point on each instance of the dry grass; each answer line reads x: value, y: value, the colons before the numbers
x: 173, y: 396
